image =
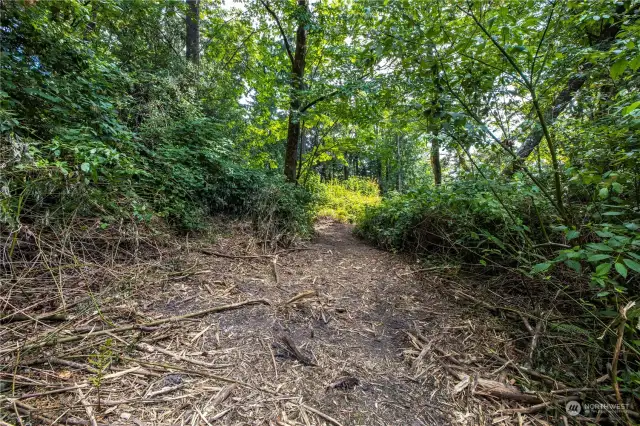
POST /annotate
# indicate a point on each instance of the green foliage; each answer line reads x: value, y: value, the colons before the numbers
x: 92, y: 131
x: 344, y: 200
x: 464, y: 217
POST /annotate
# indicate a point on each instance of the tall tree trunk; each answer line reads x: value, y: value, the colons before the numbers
x: 399, y: 165
x: 297, y: 85
x: 300, y: 152
x: 193, y: 31
x: 435, y: 160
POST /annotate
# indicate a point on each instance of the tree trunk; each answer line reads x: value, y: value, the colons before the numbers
x: 435, y: 160
x: 297, y: 85
x: 193, y: 31
x: 300, y: 152
x: 399, y: 165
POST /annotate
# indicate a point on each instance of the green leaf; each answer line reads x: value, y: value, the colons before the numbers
x: 602, y: 294
x: 618, y: 68
x: 622, y: 270
x: 632, y: 264
x: 598, y: 257
x: 540, y: 267
x: 573, y: 264
x: 599, y: 246
x: 604, y: 193
x: 85, y: 167
x: 572, y: 235
x: 630, y: 108
x: 603, y: 269
x: 635, y: 63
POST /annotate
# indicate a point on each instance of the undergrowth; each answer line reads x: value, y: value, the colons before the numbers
x: 344, y: 200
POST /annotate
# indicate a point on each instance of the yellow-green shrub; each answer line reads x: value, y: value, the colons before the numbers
x: 344, y: 200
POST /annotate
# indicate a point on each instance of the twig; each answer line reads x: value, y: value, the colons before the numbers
x: 223, y: 394
x: 87, y: 407
x: 616, y: 355
x: 301, y: 295
x: 321, y: 414
x: 275, y: 269
x: 538, y: 407
x: 151, y: 349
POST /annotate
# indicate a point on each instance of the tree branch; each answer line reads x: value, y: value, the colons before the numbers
x: 320, y: 99
x: 284, y: 35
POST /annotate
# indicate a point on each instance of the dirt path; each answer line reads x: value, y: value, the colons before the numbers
x: 355, y: 331
x: 378, y: 339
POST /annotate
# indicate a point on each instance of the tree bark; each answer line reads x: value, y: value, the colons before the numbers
x: 435, y: 160
x: 193, y: 31
x: 297, y: 85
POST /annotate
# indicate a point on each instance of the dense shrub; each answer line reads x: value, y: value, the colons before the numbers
x: 464, y: 217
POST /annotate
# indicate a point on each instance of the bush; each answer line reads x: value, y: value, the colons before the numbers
x: 344, y: 200
x: 464, y: 218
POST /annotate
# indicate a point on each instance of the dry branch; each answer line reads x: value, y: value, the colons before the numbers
x: 301, y: 295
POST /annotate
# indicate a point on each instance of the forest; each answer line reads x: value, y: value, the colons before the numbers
x: 319, y: 212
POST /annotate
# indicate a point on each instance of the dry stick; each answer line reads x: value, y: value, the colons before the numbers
x: 275, y: 270
x: 51, y: 392
x: 14, y: 317
x: 170, y: 367
x: 223, y: 394
x: 32, y: 411
x: 616, y: 355
x: 87, y: 407
x: 136, y: 326
x: 538, y: 407
x: 321, y: 414
x: 302, y: 295
x: 151, y: 349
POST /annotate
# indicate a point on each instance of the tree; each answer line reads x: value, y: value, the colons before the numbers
x: 192, y: 19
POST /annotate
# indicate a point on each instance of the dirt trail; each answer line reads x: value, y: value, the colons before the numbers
x: 356, y: 329
x: 376, y: 340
